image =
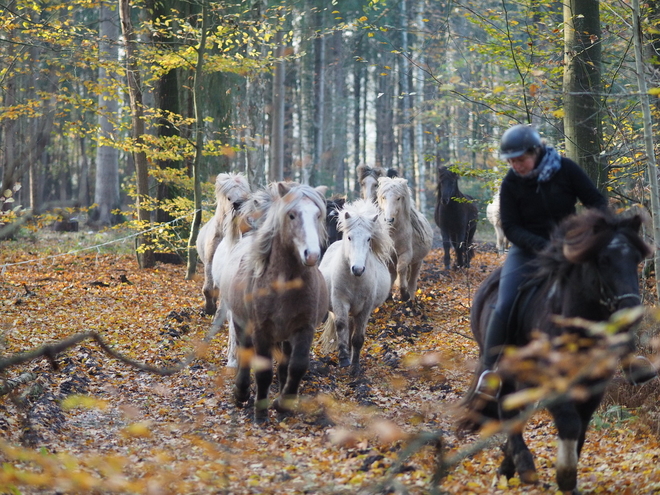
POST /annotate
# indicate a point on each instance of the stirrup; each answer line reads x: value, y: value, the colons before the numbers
x: 640, y: 370
x: 489, y: 385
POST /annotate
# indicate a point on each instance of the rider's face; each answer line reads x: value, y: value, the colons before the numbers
x: 523, y: 164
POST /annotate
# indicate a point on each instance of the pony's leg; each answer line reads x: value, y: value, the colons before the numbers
x: 343, y: 334
x: 283, y: 364
x: 569, y: 429
x: 413, y: 277
x: 301, y: 342
x: 459, y: 249
x: 403, y: 271
x: 358, y: 326
x: 232, y: 360
x: 263, y: 375
x: 242, y: 383
x: 446, y: 246
x: 517, y: 453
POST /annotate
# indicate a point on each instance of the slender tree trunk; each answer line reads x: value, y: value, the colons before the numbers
x: 319, y: 100
x: 582, y: 87
x: 144, y: 250
x: 648, y: 137
x: 419, y: 108
x: 199, y: 145
x: 406, y: 163
x: 106, y: 190
x: 276, y: 171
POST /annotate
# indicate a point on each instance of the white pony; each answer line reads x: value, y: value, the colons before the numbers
x: 410, y: 230
x: 247, y: 219
x: 356, y: 271
x: 493, y: 215
x: 230, y: 191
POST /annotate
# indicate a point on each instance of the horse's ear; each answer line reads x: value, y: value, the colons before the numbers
x: 282, y: 189
x: 321, y: 190
x: 375, y: 218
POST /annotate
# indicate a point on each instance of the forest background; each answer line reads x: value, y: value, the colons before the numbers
x: 135, y: 118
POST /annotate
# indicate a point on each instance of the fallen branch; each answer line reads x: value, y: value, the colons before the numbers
x: 50, y: 352
x: 11, y: 383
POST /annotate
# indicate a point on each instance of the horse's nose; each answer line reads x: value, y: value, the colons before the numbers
x: 237, y: 204
x: 311, y: 257
x: 390, y: 220
x: 357, y: 270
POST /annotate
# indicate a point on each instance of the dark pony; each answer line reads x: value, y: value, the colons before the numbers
x: 456, y: 215
x: 589, y: 271
x: 332, y: 207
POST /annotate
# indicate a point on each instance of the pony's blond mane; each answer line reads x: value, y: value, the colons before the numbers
x: 361, y: 214
x: 274, y: 221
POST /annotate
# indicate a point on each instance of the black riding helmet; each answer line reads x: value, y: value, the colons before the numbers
x: 518, y: 140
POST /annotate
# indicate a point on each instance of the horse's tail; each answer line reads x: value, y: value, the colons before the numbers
x: 328, y: 340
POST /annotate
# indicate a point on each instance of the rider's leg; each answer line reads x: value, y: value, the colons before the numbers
x: 516, y: 267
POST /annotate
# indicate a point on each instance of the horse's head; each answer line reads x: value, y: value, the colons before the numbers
x: 393, y: 198
x: 232, y: 190
x: 447, y: 185
x: 363, y: 234
x: 609, y: 249
x: 368, y: 179
x: 303, y: 220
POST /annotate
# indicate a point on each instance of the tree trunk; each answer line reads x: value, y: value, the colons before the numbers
x: 276, y: 171
x: 648, y: 137
x: 582, y: 87
x: 319, y: 101
x: 199, y: 145
x: 144, y: 250
x: 106, y: 191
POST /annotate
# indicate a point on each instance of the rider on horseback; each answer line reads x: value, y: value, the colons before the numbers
x: 537, y: 193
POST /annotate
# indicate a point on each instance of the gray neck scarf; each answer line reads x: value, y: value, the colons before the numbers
x: 550, y: 163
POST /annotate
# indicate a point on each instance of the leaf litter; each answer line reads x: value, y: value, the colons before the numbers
x: 95, y: 425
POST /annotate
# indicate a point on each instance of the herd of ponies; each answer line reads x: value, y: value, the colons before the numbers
x: 282, y: 261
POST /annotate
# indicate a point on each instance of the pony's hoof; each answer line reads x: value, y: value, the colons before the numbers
x: 404, y: 296
x: 241, y: 396
x: 529, y: 477
x: 261, y: 416
x: 356, y: 370
x: 344, y: 362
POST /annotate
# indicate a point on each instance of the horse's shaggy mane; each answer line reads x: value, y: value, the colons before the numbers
x: 224, y: 183
x: 581, y: 237
x: 289, y: 197
x: 400, y: 185
x: 364, y: 214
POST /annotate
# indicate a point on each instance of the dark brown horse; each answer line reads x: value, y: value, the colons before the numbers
x: 590, y: 270
x: 456, y: 215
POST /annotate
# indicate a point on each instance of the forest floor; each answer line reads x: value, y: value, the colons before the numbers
x: 97, y: 425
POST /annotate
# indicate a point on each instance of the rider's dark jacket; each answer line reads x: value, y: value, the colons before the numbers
x: 530, y: 210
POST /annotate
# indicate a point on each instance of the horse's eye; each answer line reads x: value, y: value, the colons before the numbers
x: 369, y: 239
x: 349, y: 238
x: 292, y: 216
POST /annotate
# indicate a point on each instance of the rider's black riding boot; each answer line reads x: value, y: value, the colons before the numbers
x: 490, y: 383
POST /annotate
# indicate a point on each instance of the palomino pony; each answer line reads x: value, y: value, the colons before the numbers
x: 590, y: 270
x: 358, y: 278
x: 277, y: 294
x: 456, y: 215
x: 368, y: 179
x: 410, y: 230
x: 230, y: 191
